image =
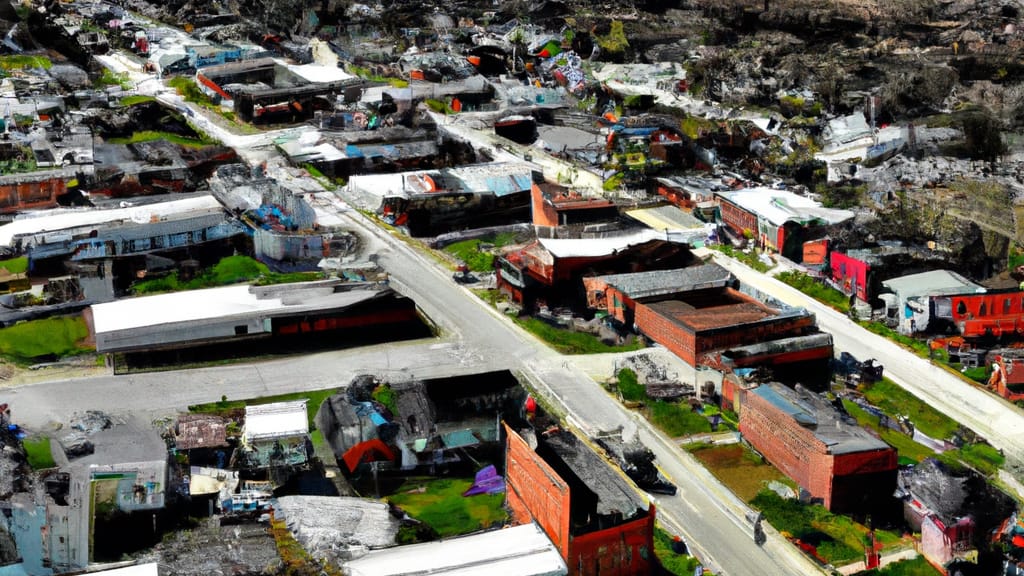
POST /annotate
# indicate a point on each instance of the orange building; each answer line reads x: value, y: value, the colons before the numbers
x: 592, y: 515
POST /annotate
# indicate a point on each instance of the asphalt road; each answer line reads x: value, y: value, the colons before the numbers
x: 474, y: 338
x: 1000, y: 422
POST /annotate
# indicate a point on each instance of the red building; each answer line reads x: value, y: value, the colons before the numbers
x: 696, y: 323
x: 28, y: 191
x: 992, y: 314
x: 591, y: 514
x: 777, y: 219
x: 618, y: 294
x: 555, y: 206
x: 548, y: 263
x: 1007, y: 377
x: 837, y: 462
x: 850, y: 275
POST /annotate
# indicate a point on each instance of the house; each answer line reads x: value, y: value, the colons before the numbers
x: 835, y: 461
x: 552, y: 263
x: 555, y: 209
x: 274, y: 436
x: 268, y: 89
x: 591, y: 513
x: 777, y: 220
x: 437, y: 423
x: 676, y: 224
x: 934, y: 504
x: 433, y: 201
x: 909, y: 305
x: 522, y: 550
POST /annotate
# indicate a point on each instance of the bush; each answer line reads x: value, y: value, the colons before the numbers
x: 678, y: 564
x: 676, y: 419
x: 630, y: 387
x: 386, y: 396
x: 569, y: 342
x: 469, y: 252
x: 815, y: 289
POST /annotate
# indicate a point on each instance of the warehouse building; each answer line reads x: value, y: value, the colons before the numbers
x: 835, y: 461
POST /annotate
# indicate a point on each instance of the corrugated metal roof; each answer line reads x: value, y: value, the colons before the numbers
x: 781, y: 206
x: 933, y: 283
x: 645, y: 284
x: 667, y: 218
x: 459, y: 438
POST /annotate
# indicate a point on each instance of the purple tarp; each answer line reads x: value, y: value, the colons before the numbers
x: 487, y: 481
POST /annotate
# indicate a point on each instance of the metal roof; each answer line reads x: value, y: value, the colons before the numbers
x: 276, y: 420
x: 646, y: 284
x: 933, y: 283
x: 781, y: 206
x: 840, y: 433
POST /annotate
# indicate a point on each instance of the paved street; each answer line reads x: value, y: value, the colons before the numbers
x: 475, y: 338
x: 998, y: 421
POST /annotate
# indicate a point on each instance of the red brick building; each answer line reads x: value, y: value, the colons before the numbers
x: 696, y: 323
x: 590, y: 513
x: 837, y: 462
x: 554, y: 206
x: 618, y: 294
x: 29, y: 191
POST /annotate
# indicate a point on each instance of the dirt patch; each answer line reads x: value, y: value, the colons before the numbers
x: 740, y: 469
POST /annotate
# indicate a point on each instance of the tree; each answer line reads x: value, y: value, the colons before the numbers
x: 983, y: 136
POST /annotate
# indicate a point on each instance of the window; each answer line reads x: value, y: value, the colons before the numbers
x: 243, y: 329
x: 961, y: 308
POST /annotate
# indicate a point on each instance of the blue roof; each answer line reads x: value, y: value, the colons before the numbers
x: 785, y: 406
x: 459, y: 438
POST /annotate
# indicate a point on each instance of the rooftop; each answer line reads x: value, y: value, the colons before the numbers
x: 837, y: 431
x: 646, y: 284
x: 668, y: 218
x: 276, y: 420
x: 713, y: 308
x: 934, y: 283
x: 220, y: 303
x: 52, y: 221
x: 523, y: 550
x: 781, y: 206
x: 200, y: 431
x: 613, y: 491
x: 594, y: 247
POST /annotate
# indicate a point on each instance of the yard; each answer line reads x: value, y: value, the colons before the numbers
x: 314, y: 399
x: 838, y: 539
x: 895, y: 400
x: 815, y: 289
x: 17, y: 265
x: 916, y: 567
x: 678, y: 564
x: 738, y: 468
x: 439, y: 503
x: 673, y: 418
x: 49, y: 337
x: 38, y: 452
x: 571, y: 342
x: 230, y: 270
x: 478, y: 260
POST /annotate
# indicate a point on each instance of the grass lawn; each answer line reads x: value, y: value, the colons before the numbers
x: 676, y: 419
x: 569, y: 342
x: 38, y: 452
x: 738, y: 468
x: 228, y: 271
x: 151, y: 135
x: 904, y: 445
x: 315, y: 399
x: 136, y: 99
x: 442, y: 505
x: 678, y: 564
x: 916, y: 567
x: 918, y: 347
x: 750, y: 259
x: 839, y: 539
x: 21, y: 61
x: 895, y: 400
x: 50, y: 336
x: 17, y: 265
x: 477, y: 260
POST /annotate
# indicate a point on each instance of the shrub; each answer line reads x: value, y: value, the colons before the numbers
x: 630, y: 387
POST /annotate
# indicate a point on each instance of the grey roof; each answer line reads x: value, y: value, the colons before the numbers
x: 613, y: 492
x: 934, y: 283
x: 647, y: 284
x: 840, y: 434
